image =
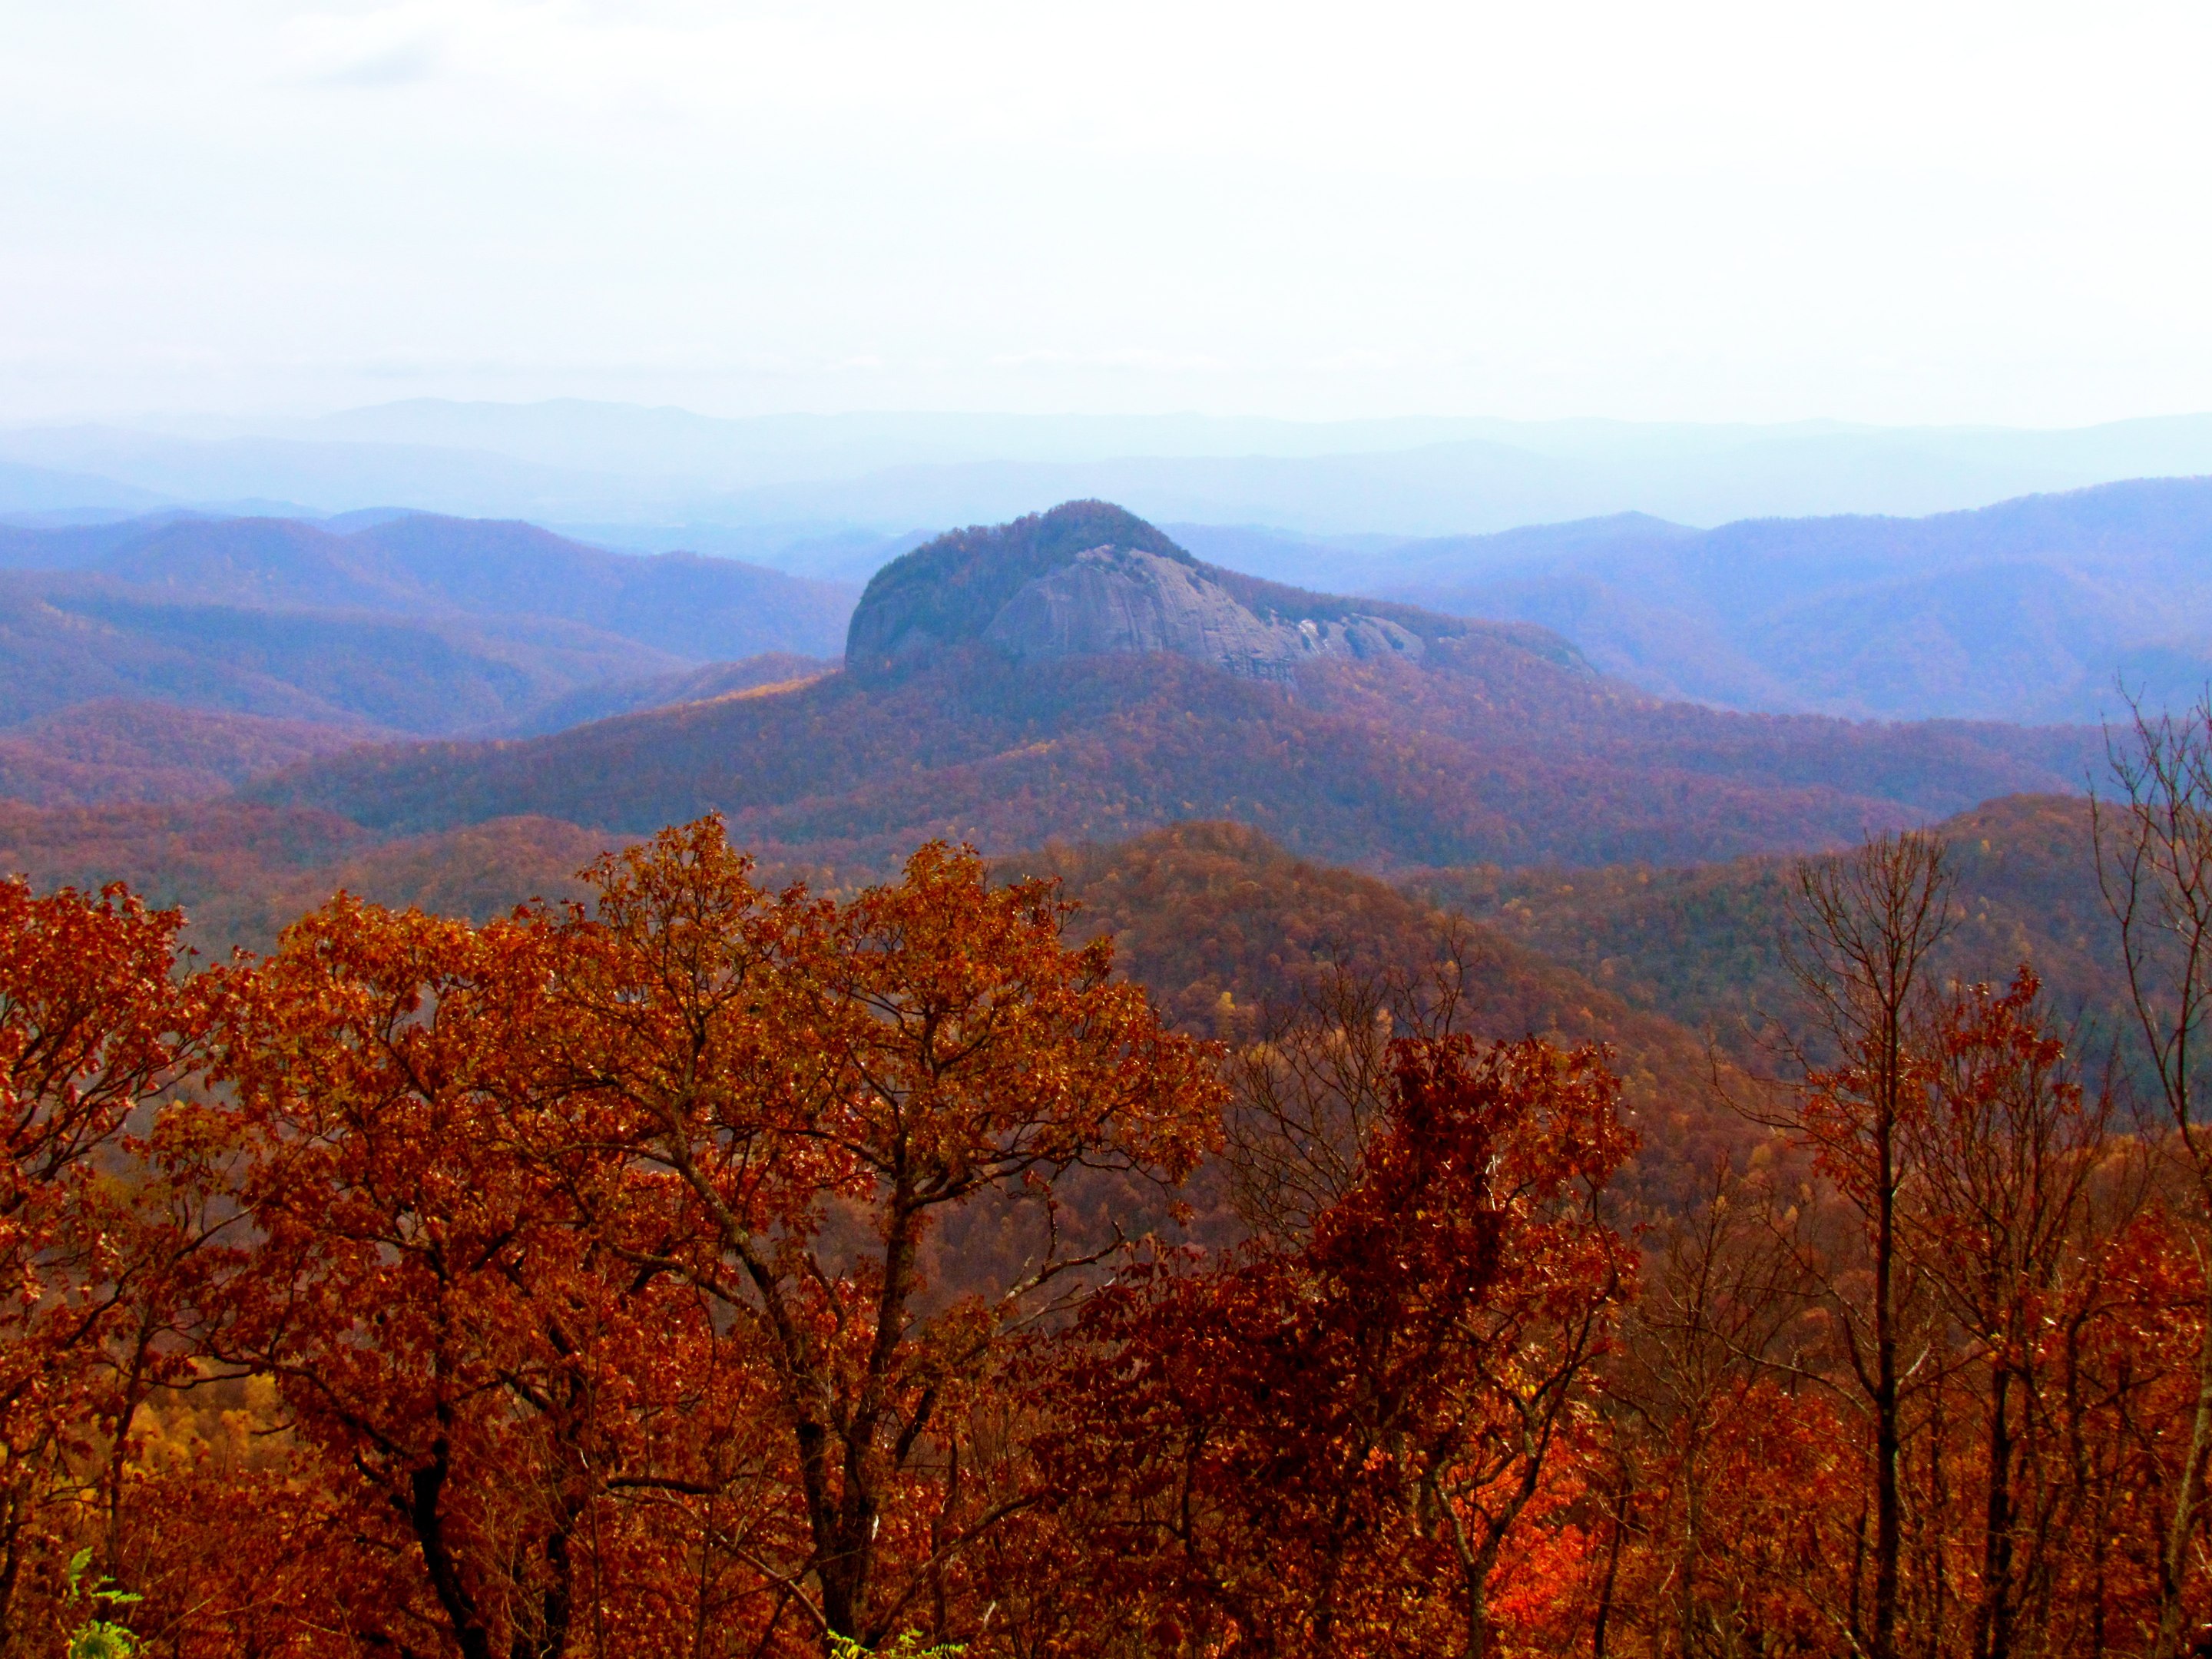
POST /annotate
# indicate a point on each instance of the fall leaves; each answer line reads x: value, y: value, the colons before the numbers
x: 1326, y: 1448
x: 593, y: 1256
x: 718, y: 1271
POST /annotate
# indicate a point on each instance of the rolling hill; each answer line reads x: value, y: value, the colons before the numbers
x: 1216, y: 917
x: 1205, y: 916
x: 117, y: 750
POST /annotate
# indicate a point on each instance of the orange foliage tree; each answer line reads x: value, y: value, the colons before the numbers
x: 487, y: 1382
x: 594, y: 1246
x: 95, y: 1027
x: 810, y: 1091
x: 727, y: 1270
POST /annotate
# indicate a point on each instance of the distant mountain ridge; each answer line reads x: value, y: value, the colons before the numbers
x: 419, y: 563
x: 2033, y: 609
x: 170, y: 657
x: 809, y: 476
x: 397, y: 623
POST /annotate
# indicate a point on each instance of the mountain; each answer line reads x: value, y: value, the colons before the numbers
x: 421, y: 564
x: 38, y: 489
x: 575, y: 462
x: 1089, y: 579
x: 1489, y: 742
x: 404, y: 621
x: 2033, y: 609
x: 66, y: 643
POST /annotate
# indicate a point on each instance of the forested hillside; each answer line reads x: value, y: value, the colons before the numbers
x: 1470, y: 755
x: 1406, y: 1145
x: 1105, y: 1272
x: 117, y: 750
x: 404, y: 623
x: 1704, y: 945
x: 1458, y: 742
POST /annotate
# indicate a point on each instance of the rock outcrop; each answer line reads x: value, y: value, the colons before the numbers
x: 1089, y: 579
x: 1112, y: 600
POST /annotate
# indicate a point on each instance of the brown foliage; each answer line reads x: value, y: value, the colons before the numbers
x: 712, y: 1268
x: 1483, y: 751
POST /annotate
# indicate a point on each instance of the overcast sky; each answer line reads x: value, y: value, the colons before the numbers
x: 1894, y: 213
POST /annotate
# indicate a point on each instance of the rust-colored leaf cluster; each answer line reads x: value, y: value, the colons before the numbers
x: 702, y: 1268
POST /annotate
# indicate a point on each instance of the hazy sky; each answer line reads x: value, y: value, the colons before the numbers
x: 1901, y: 213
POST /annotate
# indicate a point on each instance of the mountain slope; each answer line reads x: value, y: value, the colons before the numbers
x: 120, y: 750
x: 2029, y: 611
x: 608, y: 699
x: 1703, y: 945
x: 1220, y: 924
x: 1492, y: 744
x: 410, y: 623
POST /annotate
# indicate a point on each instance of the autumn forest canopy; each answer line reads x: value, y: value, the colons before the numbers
x: 1147, y: 1112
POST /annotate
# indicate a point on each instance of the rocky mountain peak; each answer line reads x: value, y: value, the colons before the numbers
x: 1089, y: 579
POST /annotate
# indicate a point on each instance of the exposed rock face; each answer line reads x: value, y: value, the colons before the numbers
x: 1087, y: 578
x: 1112, y: 600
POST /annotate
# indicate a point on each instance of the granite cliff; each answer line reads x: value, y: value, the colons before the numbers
x: 1088, y: 579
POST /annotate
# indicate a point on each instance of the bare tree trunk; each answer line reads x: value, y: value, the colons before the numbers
x: 2173, y: 1556
x: 1478, y: 1607
x: 1993, y: 1619
x: 2154, y: 866
x: 1888, y: 1440
x: 11, y: 1557
x: 1866, y: 924
x: 1612, y: 1569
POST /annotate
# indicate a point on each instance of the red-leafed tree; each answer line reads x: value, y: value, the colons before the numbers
x: 95, y: 1025
x: 486, y: 1381
x: 1328, y: 1447
x: 2008, y: 1220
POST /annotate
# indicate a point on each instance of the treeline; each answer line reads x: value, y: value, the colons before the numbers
x: 711, y: 1270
